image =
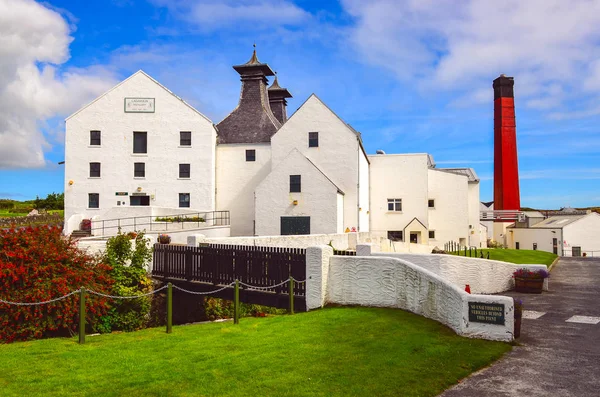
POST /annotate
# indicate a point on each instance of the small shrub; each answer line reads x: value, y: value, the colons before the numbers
x: 217, y: 308
x: 128, y: 263
x: 40, y: 264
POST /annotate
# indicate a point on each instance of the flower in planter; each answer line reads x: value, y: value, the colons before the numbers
x: 164, y: 239
x: 531, y: 274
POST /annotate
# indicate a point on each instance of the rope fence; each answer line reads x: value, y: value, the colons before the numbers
x: 169, y: 287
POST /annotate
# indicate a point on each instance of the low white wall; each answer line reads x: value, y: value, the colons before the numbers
x: 483, y: 276
x: 392, y: 282
x: 339, y: 241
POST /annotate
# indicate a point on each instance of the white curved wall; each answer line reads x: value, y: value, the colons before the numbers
x: 392, y: 282
x: 483, y: 276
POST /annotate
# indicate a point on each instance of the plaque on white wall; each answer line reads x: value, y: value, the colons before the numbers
x: 139, y: 105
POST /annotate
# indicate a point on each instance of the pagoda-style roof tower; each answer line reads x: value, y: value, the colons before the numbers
x: 277, y: 100
x: 252, y: 121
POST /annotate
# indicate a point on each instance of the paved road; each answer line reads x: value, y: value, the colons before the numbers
x: 556, y: 358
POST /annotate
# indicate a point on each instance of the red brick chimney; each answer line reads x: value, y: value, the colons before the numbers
x: 506, y: 167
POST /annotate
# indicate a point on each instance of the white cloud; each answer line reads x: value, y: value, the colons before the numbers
x: 208, y: 15
x: 34, y: 41
x: 546, y: 44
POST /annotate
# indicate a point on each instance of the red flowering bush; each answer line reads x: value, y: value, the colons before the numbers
x: 40, y: 264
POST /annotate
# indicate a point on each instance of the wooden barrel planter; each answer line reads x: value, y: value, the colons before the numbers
x: 529, y: 285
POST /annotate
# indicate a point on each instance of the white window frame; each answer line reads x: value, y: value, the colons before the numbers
x: 395, y: 203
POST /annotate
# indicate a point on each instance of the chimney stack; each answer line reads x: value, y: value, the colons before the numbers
x: 252, y: 121
x: 506, y: 168
x: 277, y: 100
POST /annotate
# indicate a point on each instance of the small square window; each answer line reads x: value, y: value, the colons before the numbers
x: 93, y: 200
x: 432, y: 234
x: 95, y: 138
x: 94, y: 170
x: 140, y: 142
x: 184, y: 200
x: 313, y: 139
x: 395, y: 205
x: 185, y: 138
x: 431, y: 203
x: 184, y: 170
x: 295, y: 184
x: 250, y: 155
x: 139, y: 170
x: 395, y: 235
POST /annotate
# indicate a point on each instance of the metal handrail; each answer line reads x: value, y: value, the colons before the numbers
x: 215, y: 218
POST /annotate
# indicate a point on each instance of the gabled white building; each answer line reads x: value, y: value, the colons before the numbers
x: 140, y: 146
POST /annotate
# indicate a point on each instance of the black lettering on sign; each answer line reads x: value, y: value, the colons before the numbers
x: 489, y: 313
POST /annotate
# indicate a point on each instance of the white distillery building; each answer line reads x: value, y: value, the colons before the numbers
x: 141, y: 150
x: 572, y: 233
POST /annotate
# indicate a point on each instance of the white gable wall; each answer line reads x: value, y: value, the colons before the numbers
x: 363, y: 192
x: 337, y: 155
x: 236, y: 181
x: 450, y: 217
x: 402, y: 176
x: 318, y: 198
x: 116, y: 155
x: 584, y: 233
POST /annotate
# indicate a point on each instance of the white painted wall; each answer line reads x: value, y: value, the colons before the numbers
x: 340, y: 213
x: 527, y: 237
x: 450, y: 218
x: 237, y: 180
x: 584, y: 233
x: 401, y: 176
x: 482, y: 275
x: 363, y: 193
x: 339, y: 241
x: 392, y: 282
x: 337, y: 154
x: 475, y: 233
x: 116, y: 155
x: 318, y: 197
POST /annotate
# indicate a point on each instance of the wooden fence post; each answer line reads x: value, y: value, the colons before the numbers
x: 291, y: 293
x: 236, y: 303
x: 81, y: 315
x: 169, y: 308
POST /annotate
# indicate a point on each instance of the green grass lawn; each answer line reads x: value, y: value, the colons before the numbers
x: 518, y: 256
x: 349, y: 351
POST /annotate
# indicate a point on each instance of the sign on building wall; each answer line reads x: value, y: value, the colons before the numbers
x: 490, y: 313
x: 139, y: 105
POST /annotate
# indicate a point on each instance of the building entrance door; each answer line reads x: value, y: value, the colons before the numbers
x: 555, y: 246
x: 414, y: 238
x: 295, y: 225
x: 139, y: 200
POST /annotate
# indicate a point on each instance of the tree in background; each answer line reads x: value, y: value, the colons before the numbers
x: 53, y: 201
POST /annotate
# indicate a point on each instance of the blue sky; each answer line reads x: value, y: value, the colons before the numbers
x: 412, y: 76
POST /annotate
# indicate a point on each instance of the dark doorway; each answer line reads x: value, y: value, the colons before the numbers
x: 295, y: 225
x: 414, y: 238
x: 139, y: 200
x: 517, y: 245
x: 576, y: 251
x: 555, y: 246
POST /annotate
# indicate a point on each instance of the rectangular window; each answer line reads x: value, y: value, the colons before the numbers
x: 250, y: 155
x: 185, y: 138
x: 395, y: 205
x: 432, y: 234
x: 94, y: 170
x: 184, y: 200
x: 139, y: 170
x: 431, y: 203
x: 295, y: 184
x: 93, y: 200
x: 140, y: 142
x: 184, y: 170
x: 313, y: 139
x: 395, y: 235
x: 95, y: 138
